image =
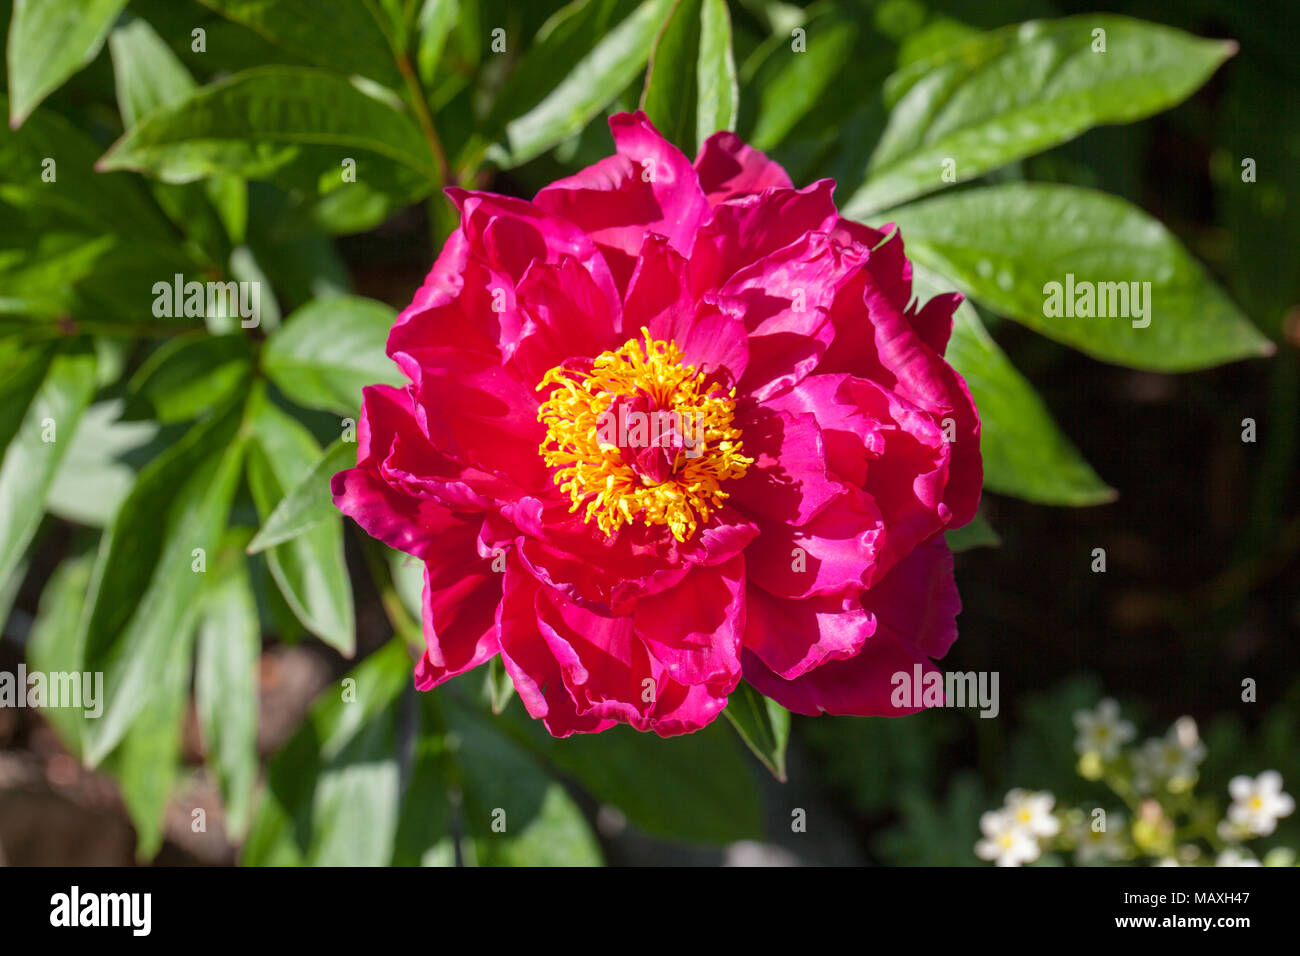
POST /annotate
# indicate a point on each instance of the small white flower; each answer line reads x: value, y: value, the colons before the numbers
x: 1004, y: 841
x: 1234, y: 857
x: 1101, y: 731
x: 1173, y: 757
x: 1032, y: 812
x: 1230, y: 832
x: 1258, y: 804
x: 1107, y: 845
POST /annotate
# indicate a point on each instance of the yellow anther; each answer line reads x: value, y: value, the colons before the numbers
x: 593, y: 470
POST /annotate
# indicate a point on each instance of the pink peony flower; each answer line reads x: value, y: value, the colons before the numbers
x: 668, y: 425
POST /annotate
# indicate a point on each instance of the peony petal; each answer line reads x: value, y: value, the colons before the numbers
x: 729, y: 168
x: 885, y: 445
x: 788, y: 481
x: 566, y: 315
x: 888, y: 350
x: 793, y: 637
x: 742, y: 231
x: 918, y: 600
x: 508, y: 235
x: 403, y: 522
x: 861, y: 686
x: 528, y: 660
x: 659, y: 298
x: 648, y: 186
x: 478, y: 413
x: 833, y: 553
x: 459, y: 612
x: 605, y: 666
x: 694, y: 628
x: 785, y: 299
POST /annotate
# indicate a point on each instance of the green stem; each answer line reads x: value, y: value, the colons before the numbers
x: 421, y: 107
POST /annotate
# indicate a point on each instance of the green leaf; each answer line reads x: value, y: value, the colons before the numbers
x: 497, y: 686
x: 39, y: 281
x: 332, y: 795
x: 144, y: 593
x: 801, y: 78
x: 187, y: 376
x: 225, y: 683
x: 566, y: 37
x: 977, y: 533
x: 9, y: 591
x: 49, y: 40
x: 437, y: 17
x: 148, y: 76
x: 763, y: 724
x: 671, y: 94
x: 719, y: 98
x: 289, y: 123
x: 1025, y: 454
x: 146, y: 73
x: 264, y: 310
x: 330, y: 349
x: 1003, y: 244
x: 78, y: 198
x: 1014, y: 92
x: 588, y: 85
x: 697, y: 787
x: 307, y: 503
x: 22, y: 369
x: 147, y: 761
x: 56, y: 644
x: 348, y: 36
x: 93, y: 479
x: 309, y: 568
x: 515, y: 813
x: 32, y: 458
x: 424, y: 822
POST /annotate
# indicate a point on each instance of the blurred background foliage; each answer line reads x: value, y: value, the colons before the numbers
x: 223, y: 164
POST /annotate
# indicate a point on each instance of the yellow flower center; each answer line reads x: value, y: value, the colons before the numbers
x: 640, y: 436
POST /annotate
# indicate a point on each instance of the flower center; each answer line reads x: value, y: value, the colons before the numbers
x: 641, y: 436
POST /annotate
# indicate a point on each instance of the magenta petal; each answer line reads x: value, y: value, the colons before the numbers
x: 406, y: 524
x: 882, y: 443
x: 694, y: 627
x: 834, y: 552
x: 566, y: 315
x: 889, y: 351
x: 918, y: 599
x: 788, y: 481
x: 860, y: 686
x: 785, y: 299
x: 400, y: 521
x: 508, y: 235
x: 659, y: 298
x: 460, y: 628
x: 528, y: 660
x: 686, y: 708
x: 792, y: 637
x: 648, y: 186
x: 915, y: 607
x: 479, y: 411
x: 743, y: 230
x: 729, y: 168
x: 604, y: 664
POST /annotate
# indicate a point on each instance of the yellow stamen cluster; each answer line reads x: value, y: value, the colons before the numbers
x: 592, y: 470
